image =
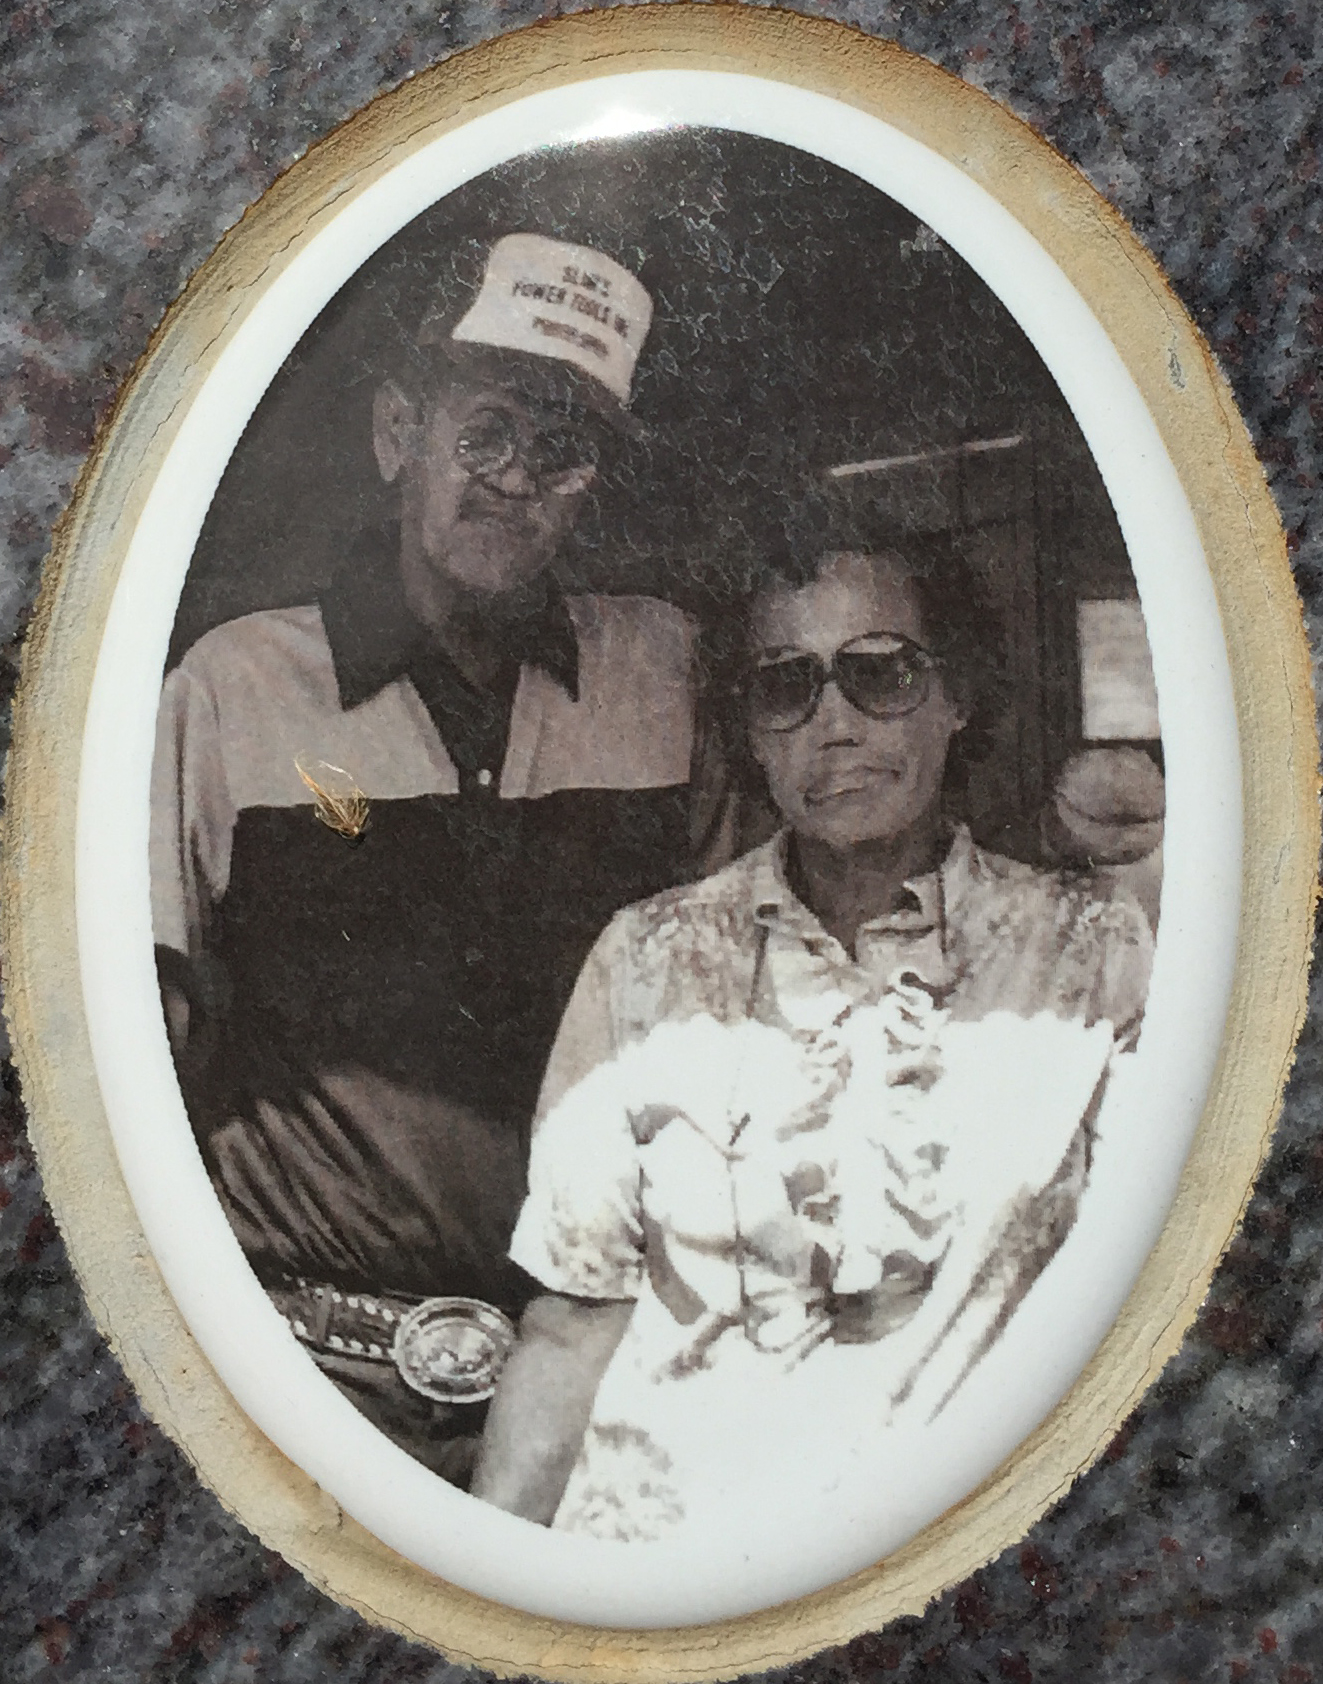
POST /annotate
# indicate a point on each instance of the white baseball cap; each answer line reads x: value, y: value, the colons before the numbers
x: 575, y: 309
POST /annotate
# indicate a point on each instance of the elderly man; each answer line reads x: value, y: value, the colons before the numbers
x: 387, y: 827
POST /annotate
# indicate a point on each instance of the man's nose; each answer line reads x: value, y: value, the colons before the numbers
x: 513, y: 480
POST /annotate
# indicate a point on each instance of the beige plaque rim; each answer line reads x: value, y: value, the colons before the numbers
x: 1242, y: 538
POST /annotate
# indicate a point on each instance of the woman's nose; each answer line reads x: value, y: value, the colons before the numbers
x: 835, y: 719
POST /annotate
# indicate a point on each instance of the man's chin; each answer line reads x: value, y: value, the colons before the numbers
x: 501, y: 581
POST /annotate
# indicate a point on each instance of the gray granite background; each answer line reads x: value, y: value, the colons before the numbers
x: 132, y: 134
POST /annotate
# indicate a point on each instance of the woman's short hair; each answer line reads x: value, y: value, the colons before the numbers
x: 960, y: 626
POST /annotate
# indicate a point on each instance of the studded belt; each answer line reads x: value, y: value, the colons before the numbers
x: 451, y: 1350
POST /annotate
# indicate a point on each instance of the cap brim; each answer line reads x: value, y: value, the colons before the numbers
x: 543, y: 380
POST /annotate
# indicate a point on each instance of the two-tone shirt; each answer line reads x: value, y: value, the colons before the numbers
x: 371, y: 1016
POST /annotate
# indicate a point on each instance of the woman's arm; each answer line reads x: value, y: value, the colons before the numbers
x: 540, y: 1412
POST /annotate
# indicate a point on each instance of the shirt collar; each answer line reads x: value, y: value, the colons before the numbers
x: 776, y: 906
x: 374, y: 638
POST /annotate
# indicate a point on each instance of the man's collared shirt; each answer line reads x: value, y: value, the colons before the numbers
x: 381, y: 1009
x: 375, y: 639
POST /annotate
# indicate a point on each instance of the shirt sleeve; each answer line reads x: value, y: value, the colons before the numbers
x: 580, y: 1231
x: 1125, y: 964
x: 192, y: 815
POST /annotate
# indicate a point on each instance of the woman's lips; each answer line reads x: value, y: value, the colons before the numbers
x: 847, y: 781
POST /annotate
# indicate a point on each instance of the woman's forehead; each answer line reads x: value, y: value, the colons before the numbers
x: 852, y: 594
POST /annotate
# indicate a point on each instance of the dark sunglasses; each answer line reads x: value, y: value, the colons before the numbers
x: 558, y: 456
x: 885, y: 677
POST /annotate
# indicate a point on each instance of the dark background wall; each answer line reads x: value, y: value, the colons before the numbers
x: 134, y: 133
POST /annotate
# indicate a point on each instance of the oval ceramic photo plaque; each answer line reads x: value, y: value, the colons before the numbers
x: 655, y: 906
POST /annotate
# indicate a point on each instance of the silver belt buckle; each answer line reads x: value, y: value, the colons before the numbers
x: 452, y: 1350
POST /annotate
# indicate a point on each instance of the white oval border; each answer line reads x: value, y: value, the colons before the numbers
x: 1058, y: 1327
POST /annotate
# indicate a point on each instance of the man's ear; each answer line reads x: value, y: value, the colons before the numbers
x: 394, y: 427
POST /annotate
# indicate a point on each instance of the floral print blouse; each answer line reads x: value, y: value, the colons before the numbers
x: 777, y: 1149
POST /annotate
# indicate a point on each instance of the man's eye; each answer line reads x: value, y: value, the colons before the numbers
x: 487, y: 439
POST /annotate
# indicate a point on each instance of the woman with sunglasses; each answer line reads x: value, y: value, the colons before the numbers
x: 813, y: 1126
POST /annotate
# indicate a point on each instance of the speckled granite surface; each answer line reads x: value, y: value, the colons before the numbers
x: 133, y: 133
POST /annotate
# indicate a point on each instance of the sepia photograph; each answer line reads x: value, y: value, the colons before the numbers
x: 656, y: 832
x: 659, y: 849
x: 660, y: 843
